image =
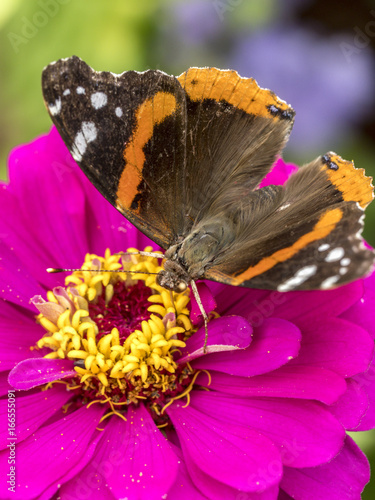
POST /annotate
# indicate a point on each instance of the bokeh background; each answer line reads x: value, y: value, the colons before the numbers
x: 318, y: 55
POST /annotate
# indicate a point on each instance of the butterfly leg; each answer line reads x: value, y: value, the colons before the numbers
x: 173, y: 304
x: 201, y: 308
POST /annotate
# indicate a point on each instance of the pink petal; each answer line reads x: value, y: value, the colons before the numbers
x: 39, y: 174
x: 34, y: 372
x: 207, y: 300
x: 18, y: 334
x: 4, y: 384
x: 89, y: 483
x: 366, y: 382
x: 74, y: 472
x: 134, y: 459
x: 304, y: 308
x: 47, y: 456
x: 279, y: 174
x: 183, y: 487
x: 16, y: 284
x: 32, y: 411
x: 286, y: 382
x: 274, y: 343
x: 217, y: 490
x: 283, y: 496
x: 337, y: 345
x: 344, y: 478
x: 290, y: 424
x: 301, y: 308
x: 351, y: 407
x: 235, y: 455
x: 224, y: 334
x: 50, y: 310
x: 360, y: 313
x: 17, y: 235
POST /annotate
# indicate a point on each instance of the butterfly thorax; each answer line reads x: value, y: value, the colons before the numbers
x: 193, y: 256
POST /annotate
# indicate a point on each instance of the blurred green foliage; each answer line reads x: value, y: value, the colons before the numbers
x: 112, y: 36
x: 120, y: 35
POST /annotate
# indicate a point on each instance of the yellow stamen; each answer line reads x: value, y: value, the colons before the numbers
x: 162, y: 425
x: 106, y: 363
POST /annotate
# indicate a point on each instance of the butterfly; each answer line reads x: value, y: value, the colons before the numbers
x: 182, y: 158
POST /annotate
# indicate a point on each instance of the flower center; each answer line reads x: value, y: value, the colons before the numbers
x: 122, y: 330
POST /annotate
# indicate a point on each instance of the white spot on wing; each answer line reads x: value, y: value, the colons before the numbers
x: 80, y: 90
x: 55, y: 108
x: 335, y: 254
x: 66, y: 92
x: 323, y: 247
x: 283, y: 207
x: 118, y: 112
x: 89, y: 131
x: 327, y: 283
x: 345, y: 262
x: 300, y: 277
x: 99, y: 99
x: 86, y: 135
x: 75, y: 153
x: 343, y: 270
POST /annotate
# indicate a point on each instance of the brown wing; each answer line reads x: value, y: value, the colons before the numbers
x: 307, y: 237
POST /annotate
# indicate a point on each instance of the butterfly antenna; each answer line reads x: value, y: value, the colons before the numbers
x: 61, y: 270
x: 144, y: 254
x: 201, y: 308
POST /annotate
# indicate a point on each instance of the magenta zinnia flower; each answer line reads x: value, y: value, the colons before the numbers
x: 115, y: 398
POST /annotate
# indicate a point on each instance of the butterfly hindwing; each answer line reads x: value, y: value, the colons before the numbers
x: 310, y: 238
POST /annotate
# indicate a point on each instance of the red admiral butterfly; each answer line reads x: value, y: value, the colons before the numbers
x: 182, y: 159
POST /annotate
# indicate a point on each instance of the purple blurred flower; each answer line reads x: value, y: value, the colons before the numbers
x: 272, y: 422
x: 196, y: 21
x: 313, y: 75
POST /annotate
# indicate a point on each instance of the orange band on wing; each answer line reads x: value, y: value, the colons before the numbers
x: 150, y: 113
x: 325, y: 225
x: 219, y: 85
x: 350, y: 181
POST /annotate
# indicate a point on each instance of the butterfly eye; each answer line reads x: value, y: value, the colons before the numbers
x: 180, y: 287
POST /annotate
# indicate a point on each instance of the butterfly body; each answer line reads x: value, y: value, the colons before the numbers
x: 183, y: 158
x: 191, y: 258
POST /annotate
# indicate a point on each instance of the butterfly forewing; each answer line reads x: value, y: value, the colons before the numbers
x: 235, y: 130
x: 116, y: 126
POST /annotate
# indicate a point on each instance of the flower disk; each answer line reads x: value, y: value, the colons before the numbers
x: 122, y: 346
